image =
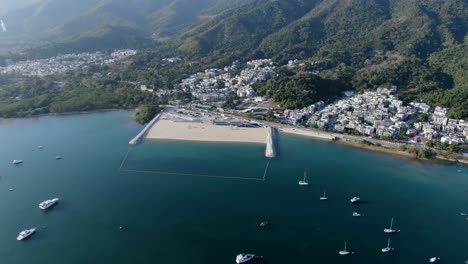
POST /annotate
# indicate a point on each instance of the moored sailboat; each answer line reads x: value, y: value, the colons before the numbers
x: 324, y: 197
x: 388, y: 248
x: 390, y: 230
x: 304, y: 181
x: 344, y: 251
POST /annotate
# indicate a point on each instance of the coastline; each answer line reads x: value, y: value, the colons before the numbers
x: 3, y: 119
x: 322, y: 136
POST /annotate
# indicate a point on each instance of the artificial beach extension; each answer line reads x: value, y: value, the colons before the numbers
x: 188, y: 125
x: 195, y: 125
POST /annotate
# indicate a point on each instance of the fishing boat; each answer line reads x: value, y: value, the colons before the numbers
x: 388, y: 248
x: 434, y: 259
x: 324, y: 197
x: 344, y: 251
x: 17, y: 161
x: 390, y: 230
x: 243, y: 258
x: 304, y: 181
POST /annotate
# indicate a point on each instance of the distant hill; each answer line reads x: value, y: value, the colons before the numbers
x: 56, y: 20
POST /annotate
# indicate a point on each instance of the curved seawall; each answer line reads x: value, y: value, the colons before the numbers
x: 143, y: 132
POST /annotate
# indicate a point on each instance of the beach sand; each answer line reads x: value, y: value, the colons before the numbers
x: 206, y: 131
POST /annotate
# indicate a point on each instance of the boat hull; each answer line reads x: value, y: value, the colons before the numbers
x: 25, y: 236
x: 45, y: 206
x: 244, y: 258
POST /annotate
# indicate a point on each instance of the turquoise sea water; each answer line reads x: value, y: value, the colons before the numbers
x: 192, y: 202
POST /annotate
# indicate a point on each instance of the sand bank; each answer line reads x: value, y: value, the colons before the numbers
x: 307, y: 133
x: 205, y: 131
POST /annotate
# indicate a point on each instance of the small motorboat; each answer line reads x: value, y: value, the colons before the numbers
x: 243, y: 258
x: 264, y: 223
x: 463, y: 214
x: 355, y: 200
x: 356, y: 214
x: 434, y: 259
x: 48, y: 203
x: 58, y: 157
x: 40, y: 147
x: 17, y: 162
x: 25, y: 234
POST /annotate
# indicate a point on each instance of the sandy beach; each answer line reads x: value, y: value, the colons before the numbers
x: 306, y: 133
x: 205, y: 131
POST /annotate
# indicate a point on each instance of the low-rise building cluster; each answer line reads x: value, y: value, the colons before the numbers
x: 64, y: 64
x: 216, y: 85
x: 381, y: 113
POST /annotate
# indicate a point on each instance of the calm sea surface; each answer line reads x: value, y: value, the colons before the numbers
x: 189, y: 202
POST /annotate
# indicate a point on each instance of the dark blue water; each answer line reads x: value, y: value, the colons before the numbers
x: 191, y: 202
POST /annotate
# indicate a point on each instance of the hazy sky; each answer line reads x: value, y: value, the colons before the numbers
x: 8, y: 5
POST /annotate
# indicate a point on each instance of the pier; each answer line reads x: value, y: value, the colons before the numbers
x: 143, y: 132
x: 270, y: 151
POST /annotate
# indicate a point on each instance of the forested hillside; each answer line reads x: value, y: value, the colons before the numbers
x: 420, y: 46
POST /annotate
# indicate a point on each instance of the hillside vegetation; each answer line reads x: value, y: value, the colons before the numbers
x: 420, y: 46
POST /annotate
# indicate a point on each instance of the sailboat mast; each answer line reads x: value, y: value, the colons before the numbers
x: 388, y: 243
x: 391, y: 224
x: 345, y: 246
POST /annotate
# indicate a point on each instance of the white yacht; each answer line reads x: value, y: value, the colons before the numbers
x: 388, y: 248
x: 25, y: 233
x: 434, y: 260
x: 304, y: 181
x: 243, y: 258
x: 390, y: 230
x: 356, y: 214
x: 355, y: 200
x: 48, y: 203
x: 17, y: 161
x: 324, y: 197
x: 344, y: 251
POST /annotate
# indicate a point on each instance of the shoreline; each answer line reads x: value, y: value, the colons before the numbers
x: 381, y: 149
x: 3, y: 119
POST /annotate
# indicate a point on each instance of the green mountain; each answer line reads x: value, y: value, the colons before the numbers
x: 421, y: 46
x: 411, y: 43
x: 302, y: 29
